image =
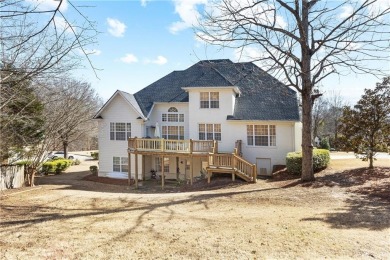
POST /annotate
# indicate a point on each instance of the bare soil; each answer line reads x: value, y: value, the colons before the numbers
x: 344, y: 214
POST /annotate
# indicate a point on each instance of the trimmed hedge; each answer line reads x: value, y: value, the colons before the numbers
x: 56, y: 166
x: 321, y: 158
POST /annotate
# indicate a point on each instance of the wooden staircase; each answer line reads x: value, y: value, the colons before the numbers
x: 231, y: 163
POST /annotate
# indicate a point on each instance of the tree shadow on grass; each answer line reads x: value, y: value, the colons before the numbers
x: 359, y: 212
x: 368, y: 206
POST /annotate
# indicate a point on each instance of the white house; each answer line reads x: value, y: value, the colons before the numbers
x: 215, y: 116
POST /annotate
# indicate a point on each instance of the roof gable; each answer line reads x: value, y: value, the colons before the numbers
x: 129, y: 98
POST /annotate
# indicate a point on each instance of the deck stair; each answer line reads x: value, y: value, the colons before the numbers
x: 231, y: 163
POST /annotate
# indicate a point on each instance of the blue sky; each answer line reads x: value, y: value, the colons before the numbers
x: 144, y: 40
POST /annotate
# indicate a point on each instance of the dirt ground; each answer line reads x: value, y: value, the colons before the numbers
x: 344, y: 214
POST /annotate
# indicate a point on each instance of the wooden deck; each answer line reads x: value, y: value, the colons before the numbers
x: 231, y: 163
x: 156, y: 146
x: 217, y: 162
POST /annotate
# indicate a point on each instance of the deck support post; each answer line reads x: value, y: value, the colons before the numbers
x: 129, y: 170
x: 208, y: 176
x: 162, y: 173
x: 143, y: 168
x: 136, y: 170
x: 192, y: 170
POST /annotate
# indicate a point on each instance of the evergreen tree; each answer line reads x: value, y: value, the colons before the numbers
x: 366, y: 127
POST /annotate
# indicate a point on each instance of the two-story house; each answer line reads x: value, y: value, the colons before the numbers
x: 214, y: 116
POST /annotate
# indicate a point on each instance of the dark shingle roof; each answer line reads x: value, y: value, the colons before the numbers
x: 262, y: 96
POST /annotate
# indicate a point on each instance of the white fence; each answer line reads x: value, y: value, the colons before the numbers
x: 11, y: 176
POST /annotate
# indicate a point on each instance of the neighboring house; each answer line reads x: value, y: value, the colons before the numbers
x: 203, y: 114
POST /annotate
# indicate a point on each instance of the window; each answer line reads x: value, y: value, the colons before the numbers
x: 120, y: 164
x: 173, y: 132
x: 172, y: 116
x: 261, y: 135
x: 210, y: 132
x: 120, y: 131
x: 209, y: 99
x: 158, y: 164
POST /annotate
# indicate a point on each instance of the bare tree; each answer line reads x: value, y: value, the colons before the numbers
x: 303, y: 42
x: 335, y: 111
x: 40, y: 39
x: 69, y: 106
x: 75, y: 102
x: 320, y: 113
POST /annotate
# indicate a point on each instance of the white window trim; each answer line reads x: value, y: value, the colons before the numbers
x: 123, y: 161
x: 209, y: 100
x: 213, y: 132
x: 127, y: 131
x: 253, y: 137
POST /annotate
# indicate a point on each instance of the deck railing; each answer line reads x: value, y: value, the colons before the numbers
x: 235, y: 162
x: 173, y: 146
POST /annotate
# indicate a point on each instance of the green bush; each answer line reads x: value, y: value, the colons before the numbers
x: 76, y: 162
x: 95, y: 155
x: 321, y: 158
x: 324, y: 143
x: 56, y: 166
x: 93, y: 169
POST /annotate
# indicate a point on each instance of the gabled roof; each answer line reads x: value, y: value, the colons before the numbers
x: 262, y: 96
x: 129, y: 98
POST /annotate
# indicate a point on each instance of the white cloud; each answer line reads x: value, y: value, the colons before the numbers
x: 160, y: 60
x: 188, y: 12
x: 115, y: 27
x: 48, y: 5
x: 144, y: 2
x: 346, y: 12
x: 129, y: 58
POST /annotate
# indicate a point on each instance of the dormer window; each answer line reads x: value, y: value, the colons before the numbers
x: 172, y: 116
x: 209, y: 99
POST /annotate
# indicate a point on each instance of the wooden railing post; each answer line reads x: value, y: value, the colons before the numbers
x: 191, y: 146
x: 215, y: 146
x: 254, y: 173
x: 162, y: 144
x: 136, y: 170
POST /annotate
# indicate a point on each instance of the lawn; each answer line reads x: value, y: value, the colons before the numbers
x: 344, y: 214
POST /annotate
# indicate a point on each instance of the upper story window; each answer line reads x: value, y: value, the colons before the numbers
x: 210, y: 132
x: 173, y: 132
x: 209, y: 99
x: 172, y: 116
x: 120, y: 131
x: 261, y: 135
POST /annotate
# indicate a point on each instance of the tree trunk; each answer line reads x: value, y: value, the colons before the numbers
x: 307, y: 102
x: 65, y: 146
x: 307, y: 146
x: 31, y: 176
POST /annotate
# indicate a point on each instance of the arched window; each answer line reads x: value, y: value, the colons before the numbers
x: 173, y: 109
x: 172, y: 115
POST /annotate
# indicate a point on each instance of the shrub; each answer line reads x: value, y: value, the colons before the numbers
x: 93, y: 169
x: 321, y: 160
x: 56, y: 166
x: 76, y: 162
x: 95, y: 155
x: 324, y: 143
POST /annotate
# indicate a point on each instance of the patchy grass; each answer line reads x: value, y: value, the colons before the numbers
x: 345, y: 213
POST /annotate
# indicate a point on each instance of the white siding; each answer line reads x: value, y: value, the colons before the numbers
x: 117, y: 111
x: 199, y: 115
x: 161, y: 108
